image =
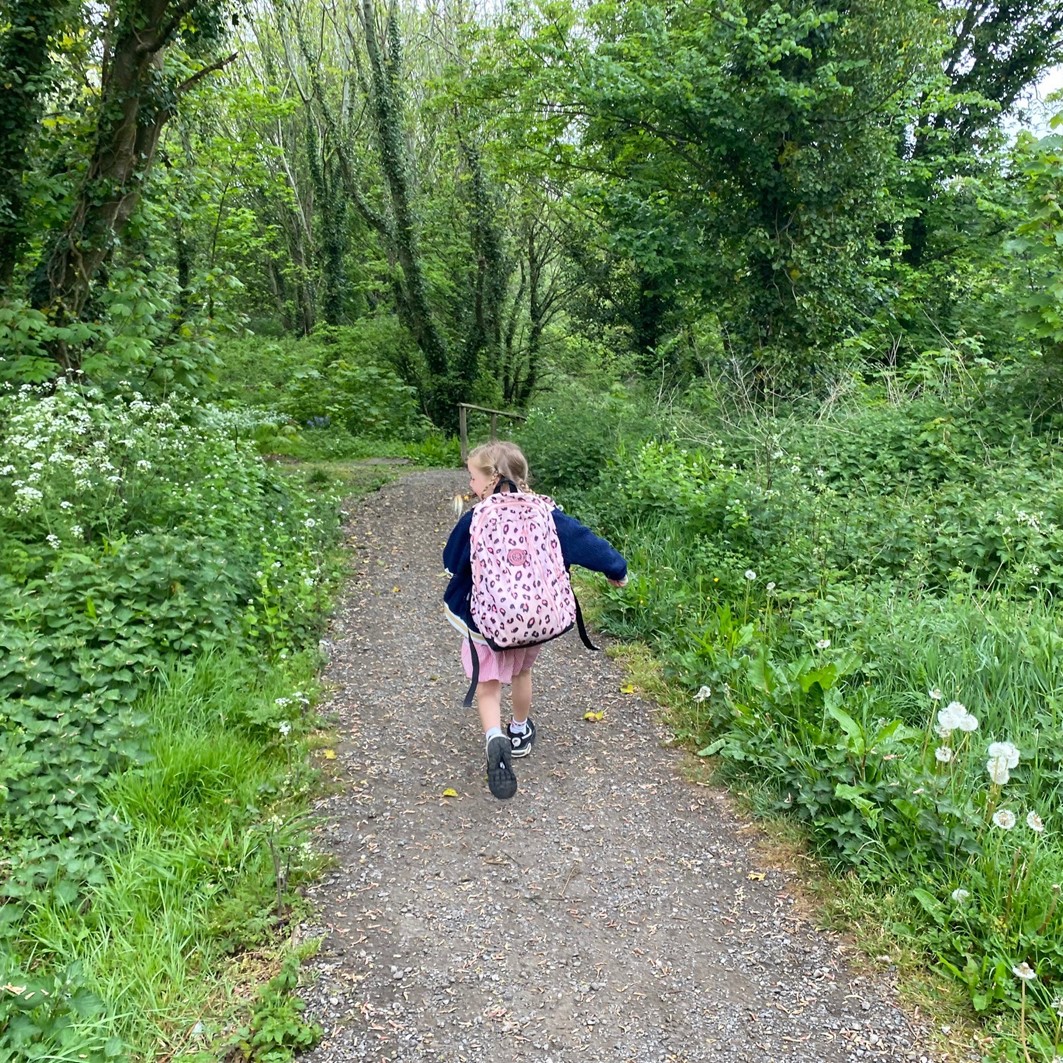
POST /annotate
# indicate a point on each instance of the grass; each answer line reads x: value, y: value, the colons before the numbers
x: 221, y: 794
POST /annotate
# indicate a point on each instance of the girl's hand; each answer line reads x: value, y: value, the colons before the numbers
x: 619, y: 582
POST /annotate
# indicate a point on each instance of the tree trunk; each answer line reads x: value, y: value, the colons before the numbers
x: 133, y: 109
x: 387, y: 116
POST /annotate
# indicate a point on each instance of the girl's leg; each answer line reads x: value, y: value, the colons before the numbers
x: 521, y: 695
x: 500, y: 778
x: 489, y: 705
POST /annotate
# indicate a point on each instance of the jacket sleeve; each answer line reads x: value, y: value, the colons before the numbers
x: 580, y: 546
x: 457, y: 552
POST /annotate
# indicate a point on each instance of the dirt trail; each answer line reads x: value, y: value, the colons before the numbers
x: 611, y: 911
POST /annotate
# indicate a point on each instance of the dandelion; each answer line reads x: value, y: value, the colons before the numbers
x: 1034, y: 822
x: 1024, y: 971
x: 770, y: 587
x: 954, y: 716
x: 998, y: 770
x: 823, y: 644
x: 1004, y: 818
x: 1004, y: 751
x: 703, y: 694
x: 960, y: 895
x: 943, y: 754
x: 310, y: 522
x: 750, y: 575
x: 935, y: 694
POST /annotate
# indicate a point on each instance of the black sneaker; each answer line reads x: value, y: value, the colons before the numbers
x: 522, y: 743
x: 500, y: 777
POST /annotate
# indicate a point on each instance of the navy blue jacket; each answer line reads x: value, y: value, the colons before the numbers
x: 579, y: 546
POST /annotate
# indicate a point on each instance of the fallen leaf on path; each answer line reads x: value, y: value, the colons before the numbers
x: 756, y: 876
x: 627, y: 688
x: 449, y: 792
x: 594, y: 717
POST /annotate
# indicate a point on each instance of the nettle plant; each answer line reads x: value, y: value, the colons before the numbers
x: 131, y: 534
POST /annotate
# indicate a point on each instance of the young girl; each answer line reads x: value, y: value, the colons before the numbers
x: 489, y: 465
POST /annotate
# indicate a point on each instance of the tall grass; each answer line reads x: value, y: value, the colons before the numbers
x: 819, y: 590
x: 221, y: 793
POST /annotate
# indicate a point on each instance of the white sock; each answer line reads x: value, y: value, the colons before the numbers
x: 495, y: 732
x: 518, y: 728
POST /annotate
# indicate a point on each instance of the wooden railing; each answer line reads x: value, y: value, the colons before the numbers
x: 463, y: 422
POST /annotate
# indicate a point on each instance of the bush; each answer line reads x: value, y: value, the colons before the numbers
x: 133, y: 534
x: 820, y: 589
x: 346, y: 380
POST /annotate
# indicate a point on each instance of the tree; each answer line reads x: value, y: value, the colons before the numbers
x: 26, y: 45
x: 142, y: 80
x: 740, y: 154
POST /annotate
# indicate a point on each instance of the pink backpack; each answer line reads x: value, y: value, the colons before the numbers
x: 521, y: 594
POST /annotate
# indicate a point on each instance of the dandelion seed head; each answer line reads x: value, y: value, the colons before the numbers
x: 1034, y: 822
x: 750, y: 574
x: 1004, y: 751
x: 1024, y: 971
x: 1004, y: 818
x: 960, y: 895
x: 943, y: 754
x: 703, y: 694
x: 823, y: 644
x: 998, y: 770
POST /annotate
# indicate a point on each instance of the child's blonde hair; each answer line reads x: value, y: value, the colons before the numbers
x: 501, y: 460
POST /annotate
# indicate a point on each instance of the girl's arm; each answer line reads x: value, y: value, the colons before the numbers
x: 580, y: 546
x: 456, y: 554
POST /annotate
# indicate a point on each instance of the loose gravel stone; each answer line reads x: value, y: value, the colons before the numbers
x: 612, y: 911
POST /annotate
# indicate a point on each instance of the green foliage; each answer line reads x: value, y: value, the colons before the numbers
x: 211, y: 812
x: 277, y: 1031
x: 1038, y: 237
x: 822, y: 587
x: 132, y: 536
x: 574, y: 434
x: 343, y: 380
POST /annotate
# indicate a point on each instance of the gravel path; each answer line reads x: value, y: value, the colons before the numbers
x: 612, y: 911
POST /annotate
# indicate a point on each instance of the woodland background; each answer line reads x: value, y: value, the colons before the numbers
x: 777, y: 286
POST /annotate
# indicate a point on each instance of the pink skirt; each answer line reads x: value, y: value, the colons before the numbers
x: 502, y: 665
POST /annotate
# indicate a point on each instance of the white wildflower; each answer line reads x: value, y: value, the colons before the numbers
x: 285, y: 728
x: 1004, y: 751
x: 998, y: 770
x: 1004, y: 818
